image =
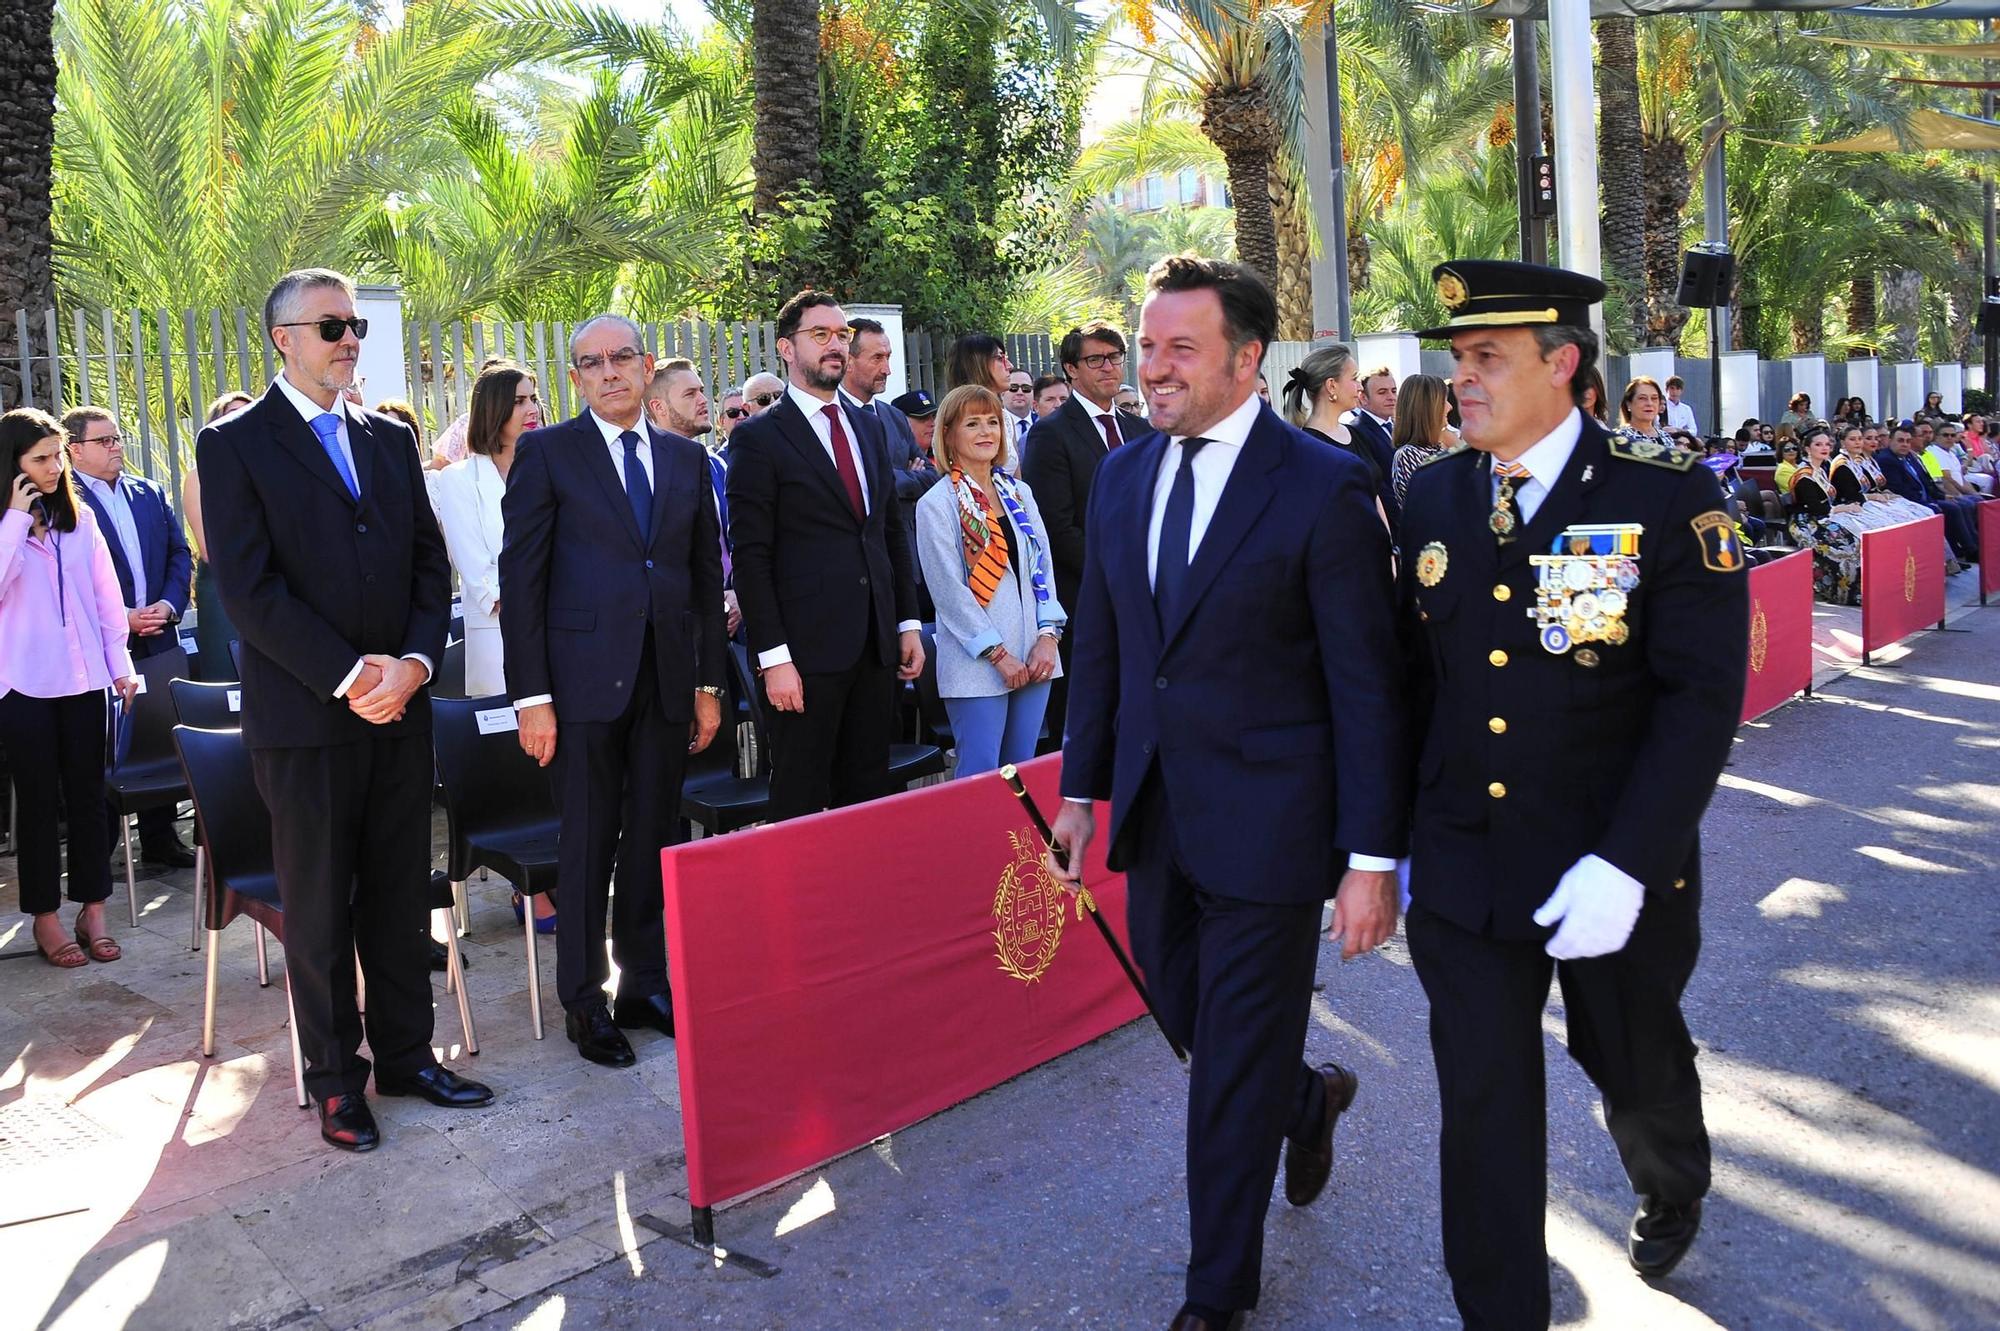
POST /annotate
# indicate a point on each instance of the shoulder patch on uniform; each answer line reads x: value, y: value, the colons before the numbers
x: 1451, y: 452
x: 1720, y: 550
x: 1651, y: 451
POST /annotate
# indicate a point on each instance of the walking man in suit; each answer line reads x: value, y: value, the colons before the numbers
x: 611, y: 610
x: 155, y: 573
x: 1059, y: 463
x: 323, y: 543
x: 1579, y: 613
x: 1238, y: 701
x: 1374, y: 427
x: 823, y: 570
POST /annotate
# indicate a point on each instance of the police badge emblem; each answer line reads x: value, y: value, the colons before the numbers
x: 1432, y: 561
x: 1452, y: 290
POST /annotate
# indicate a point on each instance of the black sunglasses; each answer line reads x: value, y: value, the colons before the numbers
x: 330, y: 329
x: 735, y: 413
x: 766, y: 399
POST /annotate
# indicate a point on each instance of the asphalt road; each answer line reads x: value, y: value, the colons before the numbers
x: 1848, y: 1011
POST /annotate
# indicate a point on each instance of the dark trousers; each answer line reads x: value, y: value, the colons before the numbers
x: 1058, y: 709
x: 351, y: 838
x: 1233, y: 982
x: 1961, y: 526
x: 836, y: 752
x: 618, y: 792
x: 55, y: 751
x: 1625, y: 1030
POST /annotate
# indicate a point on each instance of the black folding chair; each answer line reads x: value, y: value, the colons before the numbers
x: 150, y: 774
x: 204, y: 707
x: 907, y: 762
x: 930, y: 705
x: 499, y: 810
x: 713, y: 795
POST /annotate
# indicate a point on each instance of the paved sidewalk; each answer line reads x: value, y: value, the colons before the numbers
x: 1847, y: 1006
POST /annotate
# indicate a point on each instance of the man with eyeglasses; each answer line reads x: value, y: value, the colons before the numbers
x: 322, y: 541
x: 611, y: 608
x: 823, y: 567
x: 155, y: 573
x: 1060, y: 461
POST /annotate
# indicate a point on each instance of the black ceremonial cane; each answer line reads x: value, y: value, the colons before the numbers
x: 1012, y: 777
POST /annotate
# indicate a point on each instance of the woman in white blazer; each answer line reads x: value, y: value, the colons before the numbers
x: 986, y: 563
x: 504, y: 403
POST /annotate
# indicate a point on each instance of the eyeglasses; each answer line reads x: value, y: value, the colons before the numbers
x: 822, y: 336
x: 621, y: 359
x: 1021, y: 388
x: 735, y: 413
x: 108, y: 440
x: 762, y: 399
x: 331, y: 329
x: 1097, y: 360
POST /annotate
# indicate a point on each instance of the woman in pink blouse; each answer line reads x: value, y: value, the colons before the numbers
x: 62, y: 642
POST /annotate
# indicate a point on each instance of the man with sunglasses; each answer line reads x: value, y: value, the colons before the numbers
x: 1060, y: 461
x: 1019, y: 404
x: 730, y: 410
x: 823, y: 571
x: 322, y: 541
x: 611, y: 608
x: 761, y: 392
x: 868, y: 359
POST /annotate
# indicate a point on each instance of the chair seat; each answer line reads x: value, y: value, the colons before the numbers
x: 525, y: 857
x: 155, y: 782
x: 914, y: 762
x: 723, y: 803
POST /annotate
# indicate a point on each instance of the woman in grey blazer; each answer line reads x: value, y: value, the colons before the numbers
x: 979, y: 538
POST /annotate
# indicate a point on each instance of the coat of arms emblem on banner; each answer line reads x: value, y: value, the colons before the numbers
x: 1028, y: 911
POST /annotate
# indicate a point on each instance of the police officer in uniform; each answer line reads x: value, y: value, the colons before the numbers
x: 1578, y: 614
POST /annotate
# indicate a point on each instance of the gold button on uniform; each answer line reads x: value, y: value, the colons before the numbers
x: 1503, y: 592
x: 1680, y: 883
x: 1497, y: 657
x: 1497, y: 791
x: 1498, y: 725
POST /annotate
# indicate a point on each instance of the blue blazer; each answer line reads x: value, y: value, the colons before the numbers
x: 578, y: 587
x: 163, y: 548
x: 1272, y: 708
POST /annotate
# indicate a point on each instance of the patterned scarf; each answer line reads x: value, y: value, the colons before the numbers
x: 984, y: 541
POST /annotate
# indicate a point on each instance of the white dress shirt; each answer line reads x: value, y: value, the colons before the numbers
x: 1545, y: 461
x: 1680, y: 416
x: 312, y: 411
x: 112, y: 496
x: 617, y: 446
x: 815, y: 411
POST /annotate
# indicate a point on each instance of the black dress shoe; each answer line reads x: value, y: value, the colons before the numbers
x: 173, y: 855
x: 1308, y: 1166
x: 441, y: 959
x: 1192, y: 1319
x: 345, y: 1122
x: 655, y: 1012
x: 590, y: 1029
x: 439, y: 1085
x: 1661, y: 1235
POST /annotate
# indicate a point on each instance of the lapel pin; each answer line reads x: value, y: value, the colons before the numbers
x: 1588, y: 469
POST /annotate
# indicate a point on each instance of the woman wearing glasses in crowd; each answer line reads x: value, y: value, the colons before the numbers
x: 505, y: 404
x: 62, y: 642
x: 979, y: 538
x: 1639, y: 411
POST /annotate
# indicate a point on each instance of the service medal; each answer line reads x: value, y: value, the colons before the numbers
x: 1432, y: 561
x: 1502, y: 522
x: 1555, y: 639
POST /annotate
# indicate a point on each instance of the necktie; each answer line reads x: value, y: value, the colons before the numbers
x: 637, y: 489
x: 1111, y: 436
x: 1506, y: 519
x: 327, y: 426
x: 1170, y: 571
x: 715, y: 480
x: 843, y: 462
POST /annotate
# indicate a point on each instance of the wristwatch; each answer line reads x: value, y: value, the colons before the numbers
x: 710, y: 689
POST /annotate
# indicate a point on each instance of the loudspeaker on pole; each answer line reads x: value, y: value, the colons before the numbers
x: 1706, y: 278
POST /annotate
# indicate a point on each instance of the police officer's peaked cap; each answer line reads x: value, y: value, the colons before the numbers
x: 1499, y: 293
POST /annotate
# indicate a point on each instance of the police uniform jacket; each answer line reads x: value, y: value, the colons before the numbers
x: 1530, y: 759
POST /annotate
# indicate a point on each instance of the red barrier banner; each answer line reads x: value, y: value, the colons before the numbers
x: 1902, y: 581
x: 1781, y: 633
x: 839, y: 977
x: 1989, y: 549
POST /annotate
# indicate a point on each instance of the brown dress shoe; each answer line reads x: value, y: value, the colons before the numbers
x: 1307, y: 1168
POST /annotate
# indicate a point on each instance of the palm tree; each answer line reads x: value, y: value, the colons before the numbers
x: 784, y: 64
x: 27, y: 132
x: 1621, y: 171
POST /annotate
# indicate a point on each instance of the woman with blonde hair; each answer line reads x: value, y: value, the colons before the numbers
x: 986, y: 563
x: 1326, y: 386
x: 1421, y: 411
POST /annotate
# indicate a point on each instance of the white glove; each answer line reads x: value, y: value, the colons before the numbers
x: 1598, y: 903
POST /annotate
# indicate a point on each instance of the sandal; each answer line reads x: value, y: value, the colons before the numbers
x: 67, y: 957
x: 102, y: 948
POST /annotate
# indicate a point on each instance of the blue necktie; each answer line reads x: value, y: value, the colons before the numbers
x: 1170, y: 573
x: 327, y: 426
x: 636, y: 487
x: 715, y: 480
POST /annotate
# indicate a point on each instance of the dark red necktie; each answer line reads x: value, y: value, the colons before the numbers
x: 843, y: 461
x: 1111, y: 436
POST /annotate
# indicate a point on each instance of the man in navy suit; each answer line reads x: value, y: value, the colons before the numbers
x: 322, y: 540
x: 868, y: 358
x: 611, y: 611
x: 823, y: 572
x: 1237, y: 699
x: 1374, y: 427
x: 155, y: 570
